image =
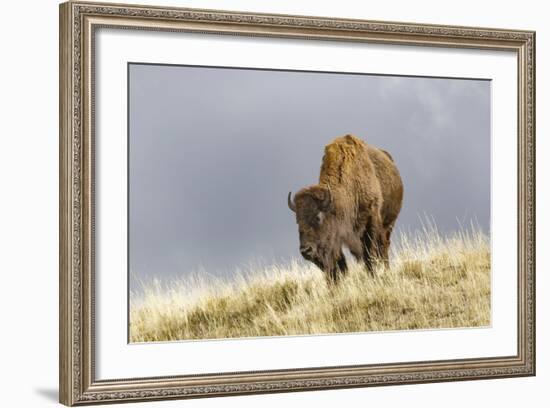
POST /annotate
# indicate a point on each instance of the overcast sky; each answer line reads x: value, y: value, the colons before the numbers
x: 214, y: 151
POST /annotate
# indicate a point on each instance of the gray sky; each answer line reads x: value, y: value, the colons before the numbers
x: 213, y: 153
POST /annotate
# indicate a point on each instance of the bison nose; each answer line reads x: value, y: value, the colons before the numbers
x: 306, y: 250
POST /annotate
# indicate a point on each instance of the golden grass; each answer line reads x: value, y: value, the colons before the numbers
x: 433, y: 282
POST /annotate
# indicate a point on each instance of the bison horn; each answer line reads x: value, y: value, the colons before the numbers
x: 327, y: 200
x: 291, y: 204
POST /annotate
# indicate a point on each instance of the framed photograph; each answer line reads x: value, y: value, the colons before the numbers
x: 255, y: 203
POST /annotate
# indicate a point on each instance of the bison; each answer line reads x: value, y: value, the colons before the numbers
x: 355, y: 204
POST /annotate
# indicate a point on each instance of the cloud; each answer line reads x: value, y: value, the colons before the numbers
x: 213, y: 153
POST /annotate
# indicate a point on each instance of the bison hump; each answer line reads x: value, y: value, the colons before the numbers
x: 341, y: 157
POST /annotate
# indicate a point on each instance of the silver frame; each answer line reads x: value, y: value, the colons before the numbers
x: 78, y: 22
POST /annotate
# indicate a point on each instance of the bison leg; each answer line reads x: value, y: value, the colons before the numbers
x: 342, y: 264
x: 384, y: 243
x: 386, y: 248
x: 332, y: 276
x: 383, y: 247
x: 367, y: 253
x: 374, y: 242
x: 337, y: 271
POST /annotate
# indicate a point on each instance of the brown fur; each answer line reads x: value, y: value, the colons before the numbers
x: 355, y: 204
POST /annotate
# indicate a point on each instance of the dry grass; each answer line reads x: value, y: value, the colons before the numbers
x: 434, y: 282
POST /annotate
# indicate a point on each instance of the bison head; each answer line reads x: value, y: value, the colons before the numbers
x: 312, y: 206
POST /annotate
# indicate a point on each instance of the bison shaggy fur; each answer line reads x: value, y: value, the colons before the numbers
x: 355, y: 204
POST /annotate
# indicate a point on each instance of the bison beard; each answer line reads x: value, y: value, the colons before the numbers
x: 355, y: 204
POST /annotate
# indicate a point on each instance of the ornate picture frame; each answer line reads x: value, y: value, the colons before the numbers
x: 79, y: 22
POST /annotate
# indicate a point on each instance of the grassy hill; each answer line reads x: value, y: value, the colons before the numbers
x: 433, y: 282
